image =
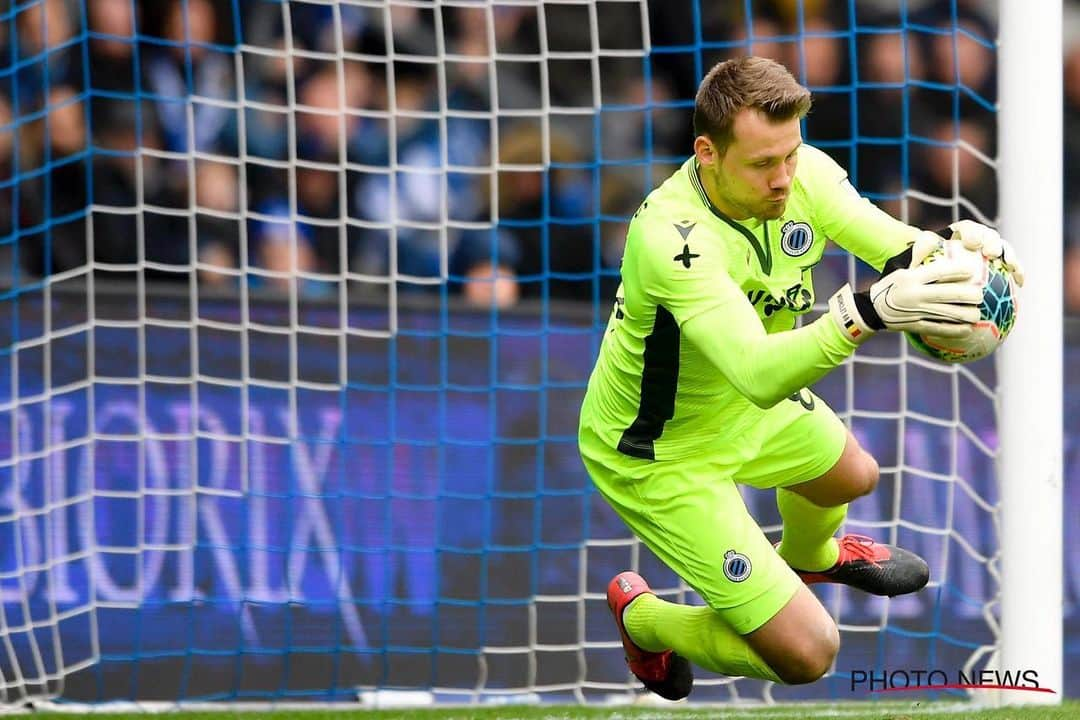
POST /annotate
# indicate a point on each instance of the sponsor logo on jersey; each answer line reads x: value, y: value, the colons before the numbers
x: 736, y: 566
x: 685, y: 256
x: 797, y: 298
x: 796, y: 238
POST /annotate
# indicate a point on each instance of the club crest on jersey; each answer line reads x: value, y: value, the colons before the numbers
x: 796, y: 238
x: 736, y: 566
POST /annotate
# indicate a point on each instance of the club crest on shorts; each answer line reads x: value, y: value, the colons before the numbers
x: 736, y: 566
x: 796, y: 238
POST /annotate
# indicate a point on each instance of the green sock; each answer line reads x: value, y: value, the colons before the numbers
x: 697, y: 633
x: 807, y: 542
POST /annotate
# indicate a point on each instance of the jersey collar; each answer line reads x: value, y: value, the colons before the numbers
x: 695, y: 180
x: 764, y: 254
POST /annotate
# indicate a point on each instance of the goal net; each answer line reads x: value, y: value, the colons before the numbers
x: 300, y: 299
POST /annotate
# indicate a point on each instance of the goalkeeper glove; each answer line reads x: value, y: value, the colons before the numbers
x: 985, y: 239
x: 913, y: 255
x: 933, y: 299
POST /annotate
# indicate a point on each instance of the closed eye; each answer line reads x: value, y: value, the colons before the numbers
x: 766, y: 162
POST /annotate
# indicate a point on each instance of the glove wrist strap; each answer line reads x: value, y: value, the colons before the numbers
x: 845, y: 308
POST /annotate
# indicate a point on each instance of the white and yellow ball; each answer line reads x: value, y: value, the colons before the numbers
x: 997, y: 313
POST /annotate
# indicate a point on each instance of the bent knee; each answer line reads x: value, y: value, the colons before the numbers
x: 810, y: 660
x: 866, y: 479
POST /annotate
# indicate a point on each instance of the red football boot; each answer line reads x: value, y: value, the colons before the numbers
x: 873, y: 567
x: 666, y: 673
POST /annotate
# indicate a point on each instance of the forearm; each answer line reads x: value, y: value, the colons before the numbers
x: 848, y: 219
x: 873, y: 235
x: 768, y: 368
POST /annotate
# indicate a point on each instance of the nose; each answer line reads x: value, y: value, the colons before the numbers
x: 781, y: 179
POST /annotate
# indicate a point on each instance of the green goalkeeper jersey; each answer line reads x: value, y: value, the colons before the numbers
x: 700, y: 340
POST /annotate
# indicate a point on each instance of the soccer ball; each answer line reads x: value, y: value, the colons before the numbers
x: 997, y: 313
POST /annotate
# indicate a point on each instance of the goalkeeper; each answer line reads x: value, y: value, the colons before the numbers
x: 701, y: 383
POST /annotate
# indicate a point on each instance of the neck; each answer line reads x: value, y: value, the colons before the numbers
x: 708, y: 183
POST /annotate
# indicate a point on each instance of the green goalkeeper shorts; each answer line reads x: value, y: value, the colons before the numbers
x: 690, y: 514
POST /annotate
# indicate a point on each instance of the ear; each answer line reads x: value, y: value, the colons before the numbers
x: 705, y: 150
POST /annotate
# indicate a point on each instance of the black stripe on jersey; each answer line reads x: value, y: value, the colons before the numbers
x: 764, y: 255
x: 659, y: 380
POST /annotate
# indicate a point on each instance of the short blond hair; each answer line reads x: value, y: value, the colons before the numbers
x: 746, y: 82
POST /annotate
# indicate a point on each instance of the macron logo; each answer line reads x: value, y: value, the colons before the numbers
x: 684, y: 228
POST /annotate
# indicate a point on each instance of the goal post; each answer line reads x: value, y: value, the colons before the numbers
x: 1031, y: 417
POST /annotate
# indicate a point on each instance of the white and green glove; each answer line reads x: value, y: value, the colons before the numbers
x: 934, y: 299
x: 973, y: 235
x: 976, y: 236
x: 914, y: 254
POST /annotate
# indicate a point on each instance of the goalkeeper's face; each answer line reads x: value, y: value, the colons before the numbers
x: 752, y: 177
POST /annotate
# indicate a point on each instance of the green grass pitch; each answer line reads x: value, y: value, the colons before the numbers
x: 850, y: 711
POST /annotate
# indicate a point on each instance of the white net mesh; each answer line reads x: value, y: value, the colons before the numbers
x: 303, y: 298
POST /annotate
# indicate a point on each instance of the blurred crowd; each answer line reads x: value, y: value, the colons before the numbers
x: 274, y: 145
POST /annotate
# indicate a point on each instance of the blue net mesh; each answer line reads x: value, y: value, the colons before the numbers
x: 301, y: 299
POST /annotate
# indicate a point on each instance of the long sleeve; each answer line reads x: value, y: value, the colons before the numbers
x: 848, y: 219
x: 766, y: 368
